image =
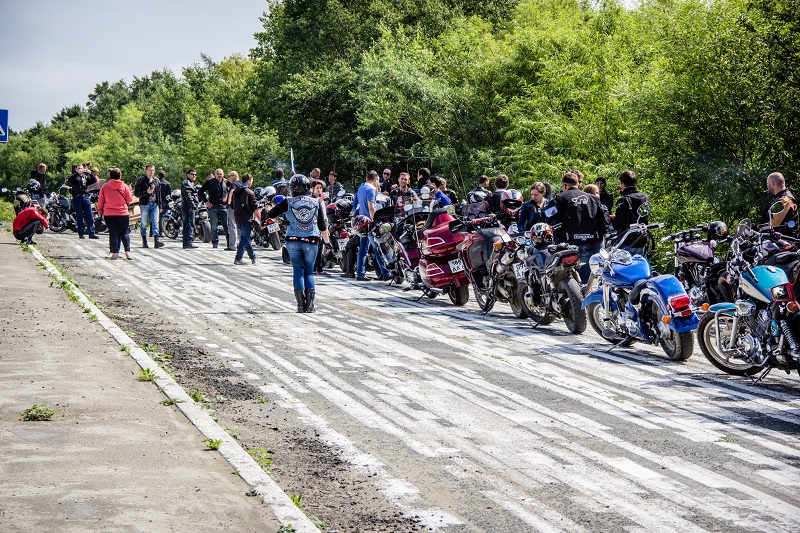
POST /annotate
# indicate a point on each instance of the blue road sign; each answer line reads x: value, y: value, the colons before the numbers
x: 3, y: 125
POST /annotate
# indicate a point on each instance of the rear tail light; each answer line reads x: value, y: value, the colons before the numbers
x: 568, y: 260
x: 343, y: 235
x: 782, y: 293
x: 680, y: 305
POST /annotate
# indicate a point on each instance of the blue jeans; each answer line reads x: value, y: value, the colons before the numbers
x: 188, y: 226
x: 83, y: 214
x: 585, y: 252
x: 363, y: 246
x: 149, y: 214
x: 245, y: 232
x: 218, y: 215
x: 302, y: 255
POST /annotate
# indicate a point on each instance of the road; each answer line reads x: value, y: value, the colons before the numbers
x: 469, y: 422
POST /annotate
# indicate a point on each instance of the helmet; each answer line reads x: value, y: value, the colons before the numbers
x: 34, y: 187
x: 717, y: 230
x: 477, y: 196
x: 299, y: 185
x: 258, y: 191
x: 361, y: 225
x: 268, y: 191
x: 511, y: 200
x: 541, y: 232
x: 279, y: 198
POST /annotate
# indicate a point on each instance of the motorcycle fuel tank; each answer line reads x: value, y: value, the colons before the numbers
x: 626, y: 275
x: 694, y: 252
x: 766, y: 277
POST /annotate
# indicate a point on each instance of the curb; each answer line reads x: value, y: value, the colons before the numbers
x: 261, y: 483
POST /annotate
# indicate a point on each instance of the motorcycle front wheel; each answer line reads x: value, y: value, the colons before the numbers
x: 206, y: 225
x: 58, y: 221
x: 595, y: 314
x: 677, y: 346
x: 707, y: 338
x: 571, y: 299
x: 516, y: 301
x: 459, y: 295
x: 532, y: 305
x: 170, y: 228
x: 485, y: 300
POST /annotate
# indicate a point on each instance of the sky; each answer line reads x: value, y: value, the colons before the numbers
x: 54, y: 52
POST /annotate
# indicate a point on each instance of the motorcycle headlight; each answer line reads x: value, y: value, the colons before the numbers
x: 521, y: 254
x: 385, y: 228
x: 596, y: 265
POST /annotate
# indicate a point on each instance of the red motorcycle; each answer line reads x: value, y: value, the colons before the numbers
x: 440, y: 267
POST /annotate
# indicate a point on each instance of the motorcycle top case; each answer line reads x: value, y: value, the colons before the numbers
x: 439, y: 241
x: 480, y: 249
x: 627, y: 275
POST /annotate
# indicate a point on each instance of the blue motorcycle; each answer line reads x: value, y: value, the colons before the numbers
x: 628, y: 304
x: 758, y: 331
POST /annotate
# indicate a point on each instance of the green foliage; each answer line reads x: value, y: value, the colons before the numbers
x: 213, y: 444
x: 39, y: 412
x: 147, y: 374
x: 262, y: 456
x: 297, y: 500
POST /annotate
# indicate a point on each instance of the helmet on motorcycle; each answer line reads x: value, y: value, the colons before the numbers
x: 541, y: 232
x: 717, y: 230
x: 269, y: 191
x: 258, y: 192
x: 511, y: 200
x: 299, y: 185
x: 361, y: 225
x: 34, y: 187
x: 279, y: 198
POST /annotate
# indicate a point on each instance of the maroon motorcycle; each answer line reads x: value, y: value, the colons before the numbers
x: 441, y: 270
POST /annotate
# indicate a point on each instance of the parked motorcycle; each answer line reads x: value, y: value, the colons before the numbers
x: 440, y: 267
x: 696, y: 267
x: 758, y: 331
x: 628, y: 304
x: 60, y: 214
x: 493, y: 260
x: 171, y: 223
x: 552, y: 280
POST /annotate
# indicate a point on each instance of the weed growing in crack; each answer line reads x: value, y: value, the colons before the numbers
x: 213, y: 444
x: 147, y: 374
x: 262, y: 456
x: 170, y: 401
x: 297, y: 500
x: 198, y: 395
x: 37, y: 413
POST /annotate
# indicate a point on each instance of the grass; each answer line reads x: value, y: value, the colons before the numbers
x: 125, y: 348
x: 213, y: 444
x: 287, y: 528
x: 37, y: 413
x: 198, y: 395
x: 147, y: 374
x: 726, y: 438
x: 297, y: 500
x: 7, y: 211
x: 261, y: 399
x: 262, y: 456
x: 170, y: 401
x: 232, y: 433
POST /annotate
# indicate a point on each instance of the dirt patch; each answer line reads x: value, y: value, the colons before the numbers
x: 333, y: 491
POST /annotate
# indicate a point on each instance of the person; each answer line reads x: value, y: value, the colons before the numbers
x: 333, y: 185
x: 423, y: 175
x: 606, y: 198
x: 148, y: 191
x: 579, y: 175
x: 189, y: 205
x: 435, y: 183
x: 231, y: 184
x: 626, y: 212
x: 480, y: 193
x: 245, y: 207
x: 386, y: 181
x: 78, y: 182
x: 532, y: 211
x: 402, y: 193
x: 776, y: 185
x: 318, y: 191
x: 112, y: 204
x: 450, y: 193
x: 212, y: 193
x: 29, y: 221
x: 314, y: 174
x: 40, y: 175
x: 581, y: 221
x: 365, y: 201
x: 594, y: 190
x: 307, y: 225
x: 501, y: 183
x: 165, y: 191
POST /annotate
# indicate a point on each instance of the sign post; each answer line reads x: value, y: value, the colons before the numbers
x: 3, y: 125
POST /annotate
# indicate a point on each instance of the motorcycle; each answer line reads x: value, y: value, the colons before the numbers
x: 494, y: 261
x: 60, y: 214
x: 171, y: 223
x: 554, y: 287
x: 265, y: 234
x: 758, y: 331
x: 94, y: 195
x: 440, y: 267
x: 628, y: 304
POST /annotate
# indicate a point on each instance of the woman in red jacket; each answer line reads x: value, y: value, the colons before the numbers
x: 112, y: 204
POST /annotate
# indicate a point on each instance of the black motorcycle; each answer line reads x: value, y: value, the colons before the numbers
x: 171, y: 223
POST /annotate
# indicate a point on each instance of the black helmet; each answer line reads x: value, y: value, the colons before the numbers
x: 34, y: 187
x: 717, y: 230
x: 299, y: 185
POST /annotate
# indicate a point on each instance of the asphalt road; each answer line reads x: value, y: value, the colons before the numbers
x: 480, y: 423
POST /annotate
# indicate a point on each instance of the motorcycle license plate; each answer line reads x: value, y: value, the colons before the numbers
x: 343, y: 243
x: 273, y: 228
x: 456, y: 265
x: 519, y: 271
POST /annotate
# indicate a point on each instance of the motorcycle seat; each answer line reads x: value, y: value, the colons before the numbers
x: 433, y: 216
x: 635, y: 293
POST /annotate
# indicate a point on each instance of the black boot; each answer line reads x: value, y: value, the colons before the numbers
x: 301, y: 301
x: 144, y: 243
x: 310, y: 294
x: 159, y: 244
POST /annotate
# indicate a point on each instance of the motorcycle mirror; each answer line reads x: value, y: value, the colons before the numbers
x: 776, y: 208
x: 645, y: 209
x: 791, y: 224
x: 4, y: 190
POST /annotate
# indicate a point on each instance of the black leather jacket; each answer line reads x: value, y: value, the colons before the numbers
x: 189, y: 199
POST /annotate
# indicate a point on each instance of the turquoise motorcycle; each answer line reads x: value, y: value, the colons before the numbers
x: 758, y: 331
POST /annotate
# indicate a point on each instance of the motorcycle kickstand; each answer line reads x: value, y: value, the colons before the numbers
x: 761, y: 376
x: 614, y: 347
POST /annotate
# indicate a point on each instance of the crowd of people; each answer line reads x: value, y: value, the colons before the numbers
x: 580, y: 214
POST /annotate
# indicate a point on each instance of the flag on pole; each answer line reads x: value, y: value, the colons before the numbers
x: 291, y: 154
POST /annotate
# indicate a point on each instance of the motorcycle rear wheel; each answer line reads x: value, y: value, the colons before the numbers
x: 574, y: 316
x: 707, y: 339
x: 459, y: 295
x: 170, y: 228
x: 678, y: 346
x: 594, y: 313
x: 275, y: 241
x: 485, y: 301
